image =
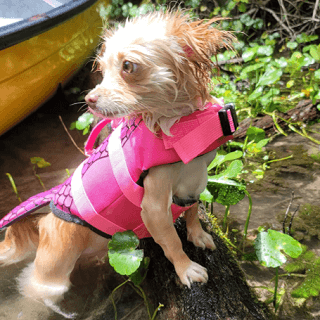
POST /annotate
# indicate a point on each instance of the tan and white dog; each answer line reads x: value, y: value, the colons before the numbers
x: 157, y: 66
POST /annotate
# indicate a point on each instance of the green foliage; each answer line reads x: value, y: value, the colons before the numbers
x: 119, y: 9
x: 127, y: 260
x: 14, y: 187
x: 307, y: 221
x: 222, y: 157
x: 264, y: 83
x: 39, y: 162
x: 269, y: 246
x: 270, y: 249
x: 224, y: 189
x: 309, y: 265
x: 83, y: 123
x: 140, y: 274
x: 123, y: 256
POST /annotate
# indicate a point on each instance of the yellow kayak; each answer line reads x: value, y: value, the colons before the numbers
x: 43, y: 43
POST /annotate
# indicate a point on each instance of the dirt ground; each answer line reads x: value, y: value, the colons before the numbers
x: 42, y: 135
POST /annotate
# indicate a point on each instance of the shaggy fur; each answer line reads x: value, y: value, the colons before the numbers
x: 157, y: 66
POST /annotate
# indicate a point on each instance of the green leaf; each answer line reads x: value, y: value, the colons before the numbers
x: 123, y: 256
x: 242, y: 7
x: 290, y: 83
x: 232, y: 170
x: 317, y: 95
x: 249, y: 53
x: 269, y: 77
x: 270, y: 245
x: 292, y: 45
x: 317, y: 74
x: 237, y: 24
x: 224, y: 190
x: 256, y: 93
x: 265, y: 50
x: 251, y: 68
x: 84, y: 120
x: 303, y: 37
x: 72, y: 125
x: 206, y: 196
x: 140, y: 274
x: 40, y: 162
x: 231, y: 4
x: 255, y: 134
x: 247, y: 20
x: 315, y: 52
x: 258, y: 23
x: 221, y: 158
x: 281, y: 63
x: 309, y: 288
x: 86, y: 130
x: 233, y: 155
x: 307, y: 60
x: 262, y: 143
x: 267, y: 99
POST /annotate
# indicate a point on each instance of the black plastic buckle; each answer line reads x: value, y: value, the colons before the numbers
x: 225, y: 124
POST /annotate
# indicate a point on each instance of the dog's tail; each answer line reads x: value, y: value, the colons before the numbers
x: 21, y: 241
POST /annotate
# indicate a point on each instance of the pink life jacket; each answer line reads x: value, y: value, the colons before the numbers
x: 103, y: 192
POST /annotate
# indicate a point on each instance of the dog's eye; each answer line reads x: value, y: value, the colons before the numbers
x: 129, y: 67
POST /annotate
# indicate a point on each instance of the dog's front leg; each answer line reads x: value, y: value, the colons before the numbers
x: 196, y: 234
x: 156, y: 215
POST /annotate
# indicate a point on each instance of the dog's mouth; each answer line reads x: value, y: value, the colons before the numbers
x: 106, y: 115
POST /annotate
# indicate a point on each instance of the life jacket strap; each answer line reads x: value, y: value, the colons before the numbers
x: 132, y: 191
x: 88, y: 149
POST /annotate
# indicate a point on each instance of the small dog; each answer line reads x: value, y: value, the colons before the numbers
x: 156, y: 69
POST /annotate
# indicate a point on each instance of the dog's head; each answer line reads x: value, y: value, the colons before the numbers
x: 157, y: 66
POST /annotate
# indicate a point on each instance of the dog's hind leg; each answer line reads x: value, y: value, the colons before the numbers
x: 21, y: 241
x: 60, y: 245
x: 196, y: 234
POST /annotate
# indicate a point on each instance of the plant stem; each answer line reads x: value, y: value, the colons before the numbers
x: 276, y: 160
x: 226, y: 214
x: 276, y: 124
x: 245, y: 232
x: 35, y: 173
x: 245, y: 145
x: 156, y: 311
x: 112, y: 300
x: 293, y: 275
x: 145, y: 300
x: 13, y: 185
x: 309, y: 137
x: 275, y: 290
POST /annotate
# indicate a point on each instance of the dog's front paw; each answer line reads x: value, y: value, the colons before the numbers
x: 201, y: 239
x: 193, y: 273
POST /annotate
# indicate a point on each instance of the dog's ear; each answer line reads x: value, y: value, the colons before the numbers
x: 199, y: 39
